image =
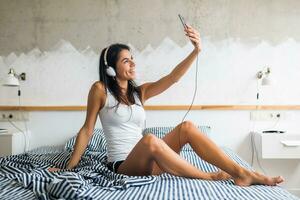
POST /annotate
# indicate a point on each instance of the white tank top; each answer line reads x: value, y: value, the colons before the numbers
x: 122, y: 126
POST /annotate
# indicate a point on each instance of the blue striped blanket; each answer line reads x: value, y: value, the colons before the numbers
x: 25, y: 176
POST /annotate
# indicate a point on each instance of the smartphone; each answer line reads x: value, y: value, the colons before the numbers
x: 182, y: 21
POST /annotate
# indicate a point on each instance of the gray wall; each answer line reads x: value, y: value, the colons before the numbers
x: 26, y: 24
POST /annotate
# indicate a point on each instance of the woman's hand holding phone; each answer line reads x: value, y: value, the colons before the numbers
x: 194, y: 36
x: 192, y: 33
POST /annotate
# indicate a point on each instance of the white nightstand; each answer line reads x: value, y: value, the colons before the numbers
x: 12, y: 143
x: 278, y: 146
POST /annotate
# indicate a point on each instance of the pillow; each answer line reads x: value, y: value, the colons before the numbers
x: 97, y: 142
x: 160, y: 132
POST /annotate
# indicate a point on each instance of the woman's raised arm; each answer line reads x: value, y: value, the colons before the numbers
x: 151, y: 89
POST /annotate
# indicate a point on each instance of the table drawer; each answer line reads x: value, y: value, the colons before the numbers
x: 280, y: 146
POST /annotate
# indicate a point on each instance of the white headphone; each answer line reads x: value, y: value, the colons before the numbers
x: 109, y: 70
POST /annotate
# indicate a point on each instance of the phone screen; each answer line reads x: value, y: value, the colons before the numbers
x: 182, y: 21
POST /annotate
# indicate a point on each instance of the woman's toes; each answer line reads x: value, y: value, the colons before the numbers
x: 226, y: 175
x: 220, y: 175
x: 250, y: 178
x: 278, y: 179
x: 265, y: 180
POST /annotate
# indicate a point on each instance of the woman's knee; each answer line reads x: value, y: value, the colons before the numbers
x: 188, y: 128
x: 152, y: 143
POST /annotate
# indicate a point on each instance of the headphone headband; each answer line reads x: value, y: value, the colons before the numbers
x: 109, y: 70
x: 105, y: 56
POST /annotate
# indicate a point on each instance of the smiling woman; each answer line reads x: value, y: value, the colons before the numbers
x: 117, y: 71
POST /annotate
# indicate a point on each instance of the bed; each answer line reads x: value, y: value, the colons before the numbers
x: 25, y: 176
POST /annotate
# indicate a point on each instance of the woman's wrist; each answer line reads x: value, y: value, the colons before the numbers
x: 197, y: 50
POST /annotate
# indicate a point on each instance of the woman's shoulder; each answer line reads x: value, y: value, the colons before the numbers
x: 98, y: 92
x: 98, y: 86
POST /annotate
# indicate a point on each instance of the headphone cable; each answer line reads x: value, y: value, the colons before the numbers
x: 194, y: 95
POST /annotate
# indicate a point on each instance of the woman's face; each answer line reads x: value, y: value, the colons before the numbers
x: 125, y: 66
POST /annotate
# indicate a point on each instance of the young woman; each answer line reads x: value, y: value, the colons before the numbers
x: 119, y: 103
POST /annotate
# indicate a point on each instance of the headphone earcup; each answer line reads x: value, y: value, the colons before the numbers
x: 110, y: 71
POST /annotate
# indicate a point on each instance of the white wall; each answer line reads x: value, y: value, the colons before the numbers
x: 226, y: 73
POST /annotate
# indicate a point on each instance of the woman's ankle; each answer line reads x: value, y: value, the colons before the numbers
x: 240, y: 172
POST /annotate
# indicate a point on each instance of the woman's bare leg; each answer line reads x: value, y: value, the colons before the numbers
x: 172, y: 140
x: 154, y: 156
x: 209, y: 151
x: 150, y: 151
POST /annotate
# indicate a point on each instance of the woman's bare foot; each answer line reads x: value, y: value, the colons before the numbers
x: 251, y: 178
x: 220, y: 175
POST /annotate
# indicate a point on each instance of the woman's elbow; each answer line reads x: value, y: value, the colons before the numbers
x: 173, y: 78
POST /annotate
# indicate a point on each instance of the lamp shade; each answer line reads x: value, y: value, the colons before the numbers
x: 11, y: 79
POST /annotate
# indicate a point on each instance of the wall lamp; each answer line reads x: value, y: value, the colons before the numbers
x: 263, y: 75
x: 12, y: 79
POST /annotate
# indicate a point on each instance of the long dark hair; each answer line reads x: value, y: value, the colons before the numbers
x: 110, y: 83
